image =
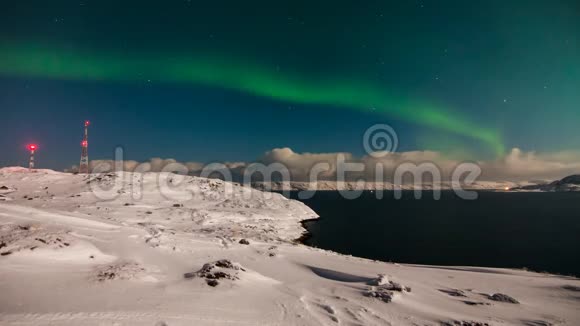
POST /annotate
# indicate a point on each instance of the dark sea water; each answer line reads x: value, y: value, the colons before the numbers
x: 538, y: 231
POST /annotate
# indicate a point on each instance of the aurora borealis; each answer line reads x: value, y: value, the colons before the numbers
x: 480, y: 83
x: 242, y: 76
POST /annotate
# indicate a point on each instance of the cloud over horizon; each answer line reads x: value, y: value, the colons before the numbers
x: 516, y: 166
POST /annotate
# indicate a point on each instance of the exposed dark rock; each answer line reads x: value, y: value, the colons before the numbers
x: 4, y: 188
x: 221, y: 269
x: 380, y: 293
x: 224, y: 263
x: 177, y: 205
x: 565, y: 287
x: 453, y: 292
x: 475, y: 303
x: 106, y: 276
x: 500, y: 297
x: 386, y: 289
x: 536, y: 323
x: 392, y: 286
x: 463, y: 323
x: 118, y: 271
x: 244, y: 242
x: 6, y: 253
x: 218, y: 275
x: 212, y: 282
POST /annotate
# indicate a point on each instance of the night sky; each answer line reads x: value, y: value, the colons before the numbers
x: 229, y: 80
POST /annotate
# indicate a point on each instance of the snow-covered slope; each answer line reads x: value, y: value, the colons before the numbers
x: 151, y: 257
x: 197, y: 204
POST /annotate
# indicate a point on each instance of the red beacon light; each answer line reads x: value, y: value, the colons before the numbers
x: 84, y: 143
x: 87, y: 123
x: 32, y: 147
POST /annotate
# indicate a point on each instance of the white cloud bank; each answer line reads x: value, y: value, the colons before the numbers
x: 516, y: 166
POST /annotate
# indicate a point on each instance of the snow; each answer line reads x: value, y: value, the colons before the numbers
x: 70, y: 258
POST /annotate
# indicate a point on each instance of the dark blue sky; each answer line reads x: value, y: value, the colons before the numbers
x: 512, y: 66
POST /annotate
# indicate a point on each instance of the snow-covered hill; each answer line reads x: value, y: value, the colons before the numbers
x: 569, y: 183
x: 172, y: 250
x: 198, y: 204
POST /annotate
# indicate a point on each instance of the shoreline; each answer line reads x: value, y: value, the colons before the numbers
x: 306, y: 234
x: 539, y: 265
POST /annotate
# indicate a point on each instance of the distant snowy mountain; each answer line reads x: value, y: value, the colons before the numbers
x: 569, y: 183
x: 327, y: 185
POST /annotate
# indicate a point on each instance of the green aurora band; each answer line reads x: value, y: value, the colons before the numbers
x: 217, y: 71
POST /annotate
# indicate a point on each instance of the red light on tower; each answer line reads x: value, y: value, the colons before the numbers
x: 31, y: 148
x: 84, y: 165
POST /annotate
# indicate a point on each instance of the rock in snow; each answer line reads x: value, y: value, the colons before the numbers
x: 214, y: 271
x: 503, y: 298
